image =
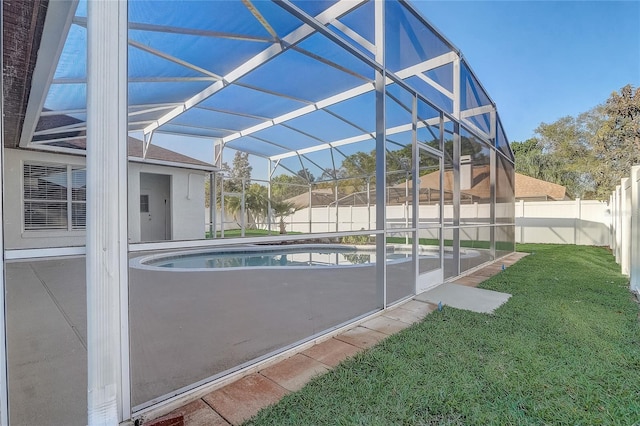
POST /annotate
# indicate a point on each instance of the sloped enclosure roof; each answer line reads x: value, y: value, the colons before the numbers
x: 282, y: 79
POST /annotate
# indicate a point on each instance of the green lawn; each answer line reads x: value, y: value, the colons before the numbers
x: 565, y: 349
x: 447, y: 243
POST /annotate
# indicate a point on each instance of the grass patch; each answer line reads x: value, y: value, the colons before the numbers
x: 447, y: 243
x: 565, y: 349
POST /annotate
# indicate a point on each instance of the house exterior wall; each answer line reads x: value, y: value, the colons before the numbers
x: 187, y: 199
x: 15, y: 235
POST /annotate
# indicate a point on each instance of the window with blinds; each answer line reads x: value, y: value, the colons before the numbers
x: 54, y: 197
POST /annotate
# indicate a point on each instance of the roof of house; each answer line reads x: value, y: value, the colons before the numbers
x: 532, y: 188
x: 23, y: 23
x: 526, y: 187
x: 155, y: 154
x: 319, y: 197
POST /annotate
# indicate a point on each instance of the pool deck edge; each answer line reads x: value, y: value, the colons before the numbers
x: 238, y: 397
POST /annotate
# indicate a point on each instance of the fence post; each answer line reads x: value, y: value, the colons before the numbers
x: 634, y: 267
x: 625, y: 187
x: 611, y: 221
x: 577, y: 222
x: 521, y: 205
x: 618, y: 220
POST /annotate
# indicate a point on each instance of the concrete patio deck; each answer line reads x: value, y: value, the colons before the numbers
x: 240, y: 400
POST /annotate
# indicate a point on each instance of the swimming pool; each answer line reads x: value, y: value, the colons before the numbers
x: 299, y: 256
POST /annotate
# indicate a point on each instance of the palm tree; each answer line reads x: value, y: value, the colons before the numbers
x: 255, y: 203
x: 281, y: 209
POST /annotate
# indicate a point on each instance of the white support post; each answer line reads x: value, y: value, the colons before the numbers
x: 270, y: 173
x: 610, y: 216
x: 618, y: 227
x: 336, y: 201
x: 625, y: 225
x: 577, y: 226
x: 520, y: 214
x: 222, y: 215
x: 613, y: 208
x: 369, y: 203
x: 406, y: 203
x: 310, y: 217
x: 415, y: 193
x: 243, y: 209
x: 212, y: 204
x: 107, y: 290
x: 381, y: 170
x: 4, y: 383
x: 634, y: 267
x: 456, y: 88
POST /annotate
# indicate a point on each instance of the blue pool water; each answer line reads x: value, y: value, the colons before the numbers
x: 269, y: 256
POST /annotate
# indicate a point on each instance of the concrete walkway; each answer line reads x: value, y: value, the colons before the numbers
x: 465, y: 297
x: 240, y: 400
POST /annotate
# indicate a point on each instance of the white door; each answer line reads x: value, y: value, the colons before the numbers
x: 155, y: 207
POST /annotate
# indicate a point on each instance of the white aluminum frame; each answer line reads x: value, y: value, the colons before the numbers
x: 107, y: 247
x: 275, y: 49
x: 107, y: 265
x: 56, y: 27
x: 4, y: 382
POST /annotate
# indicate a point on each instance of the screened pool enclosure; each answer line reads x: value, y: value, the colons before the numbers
x: 354, y: 160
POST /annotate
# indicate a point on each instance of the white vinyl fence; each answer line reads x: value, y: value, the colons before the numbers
x: 580, y: 222
x: 625, y: 227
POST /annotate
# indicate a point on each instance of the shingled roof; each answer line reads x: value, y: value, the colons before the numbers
x: 23, y: 22
x: 532, y: 189
x: 526, y: 187
x: 155, y: 154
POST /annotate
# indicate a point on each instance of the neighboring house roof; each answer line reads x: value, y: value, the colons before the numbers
x: 325, y: 197
x: 319, y: 197
x: 537, y: 189
x: 526, y: 188
x: 479, y: 188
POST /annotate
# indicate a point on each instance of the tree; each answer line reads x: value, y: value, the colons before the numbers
x: 617, y: 140
x: 590, y: 153
x: 280, y: 210
x: 256, y: 204
x: 287, y: 186
x: 306, y: 175
x: 532, y: 161
x: 241, y: 170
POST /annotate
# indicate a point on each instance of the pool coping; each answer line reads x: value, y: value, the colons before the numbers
x: 140, y: 262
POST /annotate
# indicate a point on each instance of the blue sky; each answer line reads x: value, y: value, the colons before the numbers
x: 539, y: 60
x: 542, y: 60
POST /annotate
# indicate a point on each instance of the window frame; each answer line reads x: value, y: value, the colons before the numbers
x: 69, y: 202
